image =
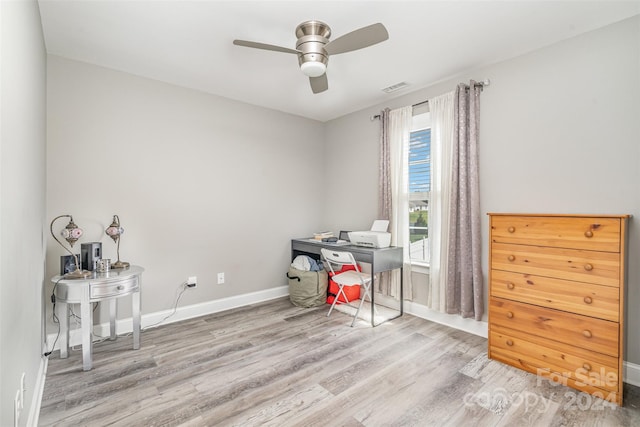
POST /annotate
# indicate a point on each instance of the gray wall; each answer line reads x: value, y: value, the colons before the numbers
x: 560, y: 133
x: 22, y: 202
x: 201, y: 184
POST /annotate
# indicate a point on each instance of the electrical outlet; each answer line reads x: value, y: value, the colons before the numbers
x: 192, y: 282
x: 220, y: 278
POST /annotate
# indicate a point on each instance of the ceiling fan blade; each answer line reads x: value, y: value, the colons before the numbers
x: 357, y: 39
x: 319, y: 84
x: 264, y: 46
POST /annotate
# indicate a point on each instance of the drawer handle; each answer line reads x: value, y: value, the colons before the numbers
x: 512, y: 229
x: 588, y: 300
x: 510, y: 343
x: 120, y: 287
x: 512, y: 258
x: 588, y: 234
x: 510, y: 285
x: 586, y: 366
x: 509, y: 314
x: 588, y: 267
x: 587, y: 333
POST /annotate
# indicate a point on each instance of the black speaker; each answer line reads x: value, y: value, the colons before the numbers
x: 91, y: 252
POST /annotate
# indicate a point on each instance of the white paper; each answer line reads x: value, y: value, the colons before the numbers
x: 380, y: 225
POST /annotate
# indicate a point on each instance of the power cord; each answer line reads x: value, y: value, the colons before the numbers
x: 54, y: 317
x: 184, y: 286
x: 75, y: 317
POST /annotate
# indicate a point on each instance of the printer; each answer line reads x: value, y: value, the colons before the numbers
x: 377, y: 237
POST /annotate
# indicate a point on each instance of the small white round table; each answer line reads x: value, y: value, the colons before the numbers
x: 96, y: 288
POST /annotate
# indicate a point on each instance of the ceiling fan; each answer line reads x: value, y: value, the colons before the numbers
x: 313, y: 47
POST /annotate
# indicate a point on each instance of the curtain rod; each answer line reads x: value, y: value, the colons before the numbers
x: 485, y: 82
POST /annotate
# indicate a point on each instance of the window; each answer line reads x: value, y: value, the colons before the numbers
x: 419, y: 187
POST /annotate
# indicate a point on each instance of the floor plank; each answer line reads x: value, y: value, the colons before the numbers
x: 274, y: 364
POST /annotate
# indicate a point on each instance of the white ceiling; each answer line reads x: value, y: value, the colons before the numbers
x: 189, y: 43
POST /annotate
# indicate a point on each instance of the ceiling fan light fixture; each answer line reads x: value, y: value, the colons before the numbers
x: 313, y: 68
x: 313, y: 47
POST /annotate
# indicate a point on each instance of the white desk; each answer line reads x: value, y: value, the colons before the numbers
x: 96, y: 288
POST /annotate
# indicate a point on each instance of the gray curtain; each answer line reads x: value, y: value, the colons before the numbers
x: 384, y: 169
x: 384, y: 190
x: 464, y: 279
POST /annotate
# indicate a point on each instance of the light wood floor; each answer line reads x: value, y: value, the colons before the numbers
x: 276, y: 364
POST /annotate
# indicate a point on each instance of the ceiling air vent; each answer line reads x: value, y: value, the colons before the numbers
x: 395, y: 87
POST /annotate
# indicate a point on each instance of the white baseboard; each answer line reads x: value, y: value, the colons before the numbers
x: 124, y: 326
x: 468, y: 325
x: 631, y: 373
x: 38, y: 390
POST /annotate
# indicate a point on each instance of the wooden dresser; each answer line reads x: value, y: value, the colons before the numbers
x: 556, y: 304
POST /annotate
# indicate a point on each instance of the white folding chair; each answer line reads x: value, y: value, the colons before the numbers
x: 335, y: 260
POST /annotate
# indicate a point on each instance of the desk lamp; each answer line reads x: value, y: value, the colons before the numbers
x: 71, y: 233
x: 115, y: 231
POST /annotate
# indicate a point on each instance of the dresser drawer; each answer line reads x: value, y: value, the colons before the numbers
x: 115, y: 288
x: 596, y: 234
x: 581, y: 331
x: 602, y: 268
x: 584, y: 367
x: 587, y: 299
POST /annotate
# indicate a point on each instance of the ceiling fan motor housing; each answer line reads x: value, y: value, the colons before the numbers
x: 313, y: 47
x: 312, y: 37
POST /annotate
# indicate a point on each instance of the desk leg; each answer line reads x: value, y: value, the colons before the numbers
x: 135, y: 299
x: 87, y: 325
x: 112, y: 318
x: 402, y: 289
x: 63, y: 320
x: 373, y: 291
x: 401, y: 297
